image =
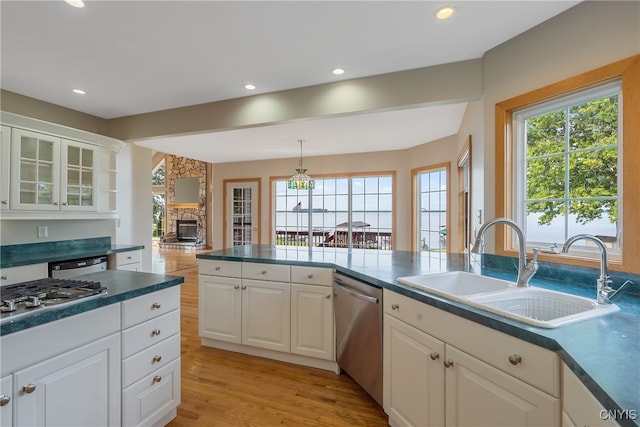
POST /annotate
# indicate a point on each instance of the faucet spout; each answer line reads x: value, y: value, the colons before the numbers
x: 525, y: 270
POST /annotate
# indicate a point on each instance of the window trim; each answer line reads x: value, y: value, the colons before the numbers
x: 626, y: 71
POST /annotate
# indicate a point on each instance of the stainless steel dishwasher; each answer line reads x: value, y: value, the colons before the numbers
x: 358, y: 311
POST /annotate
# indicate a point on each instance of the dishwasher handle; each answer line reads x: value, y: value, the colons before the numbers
x: 367, y: 298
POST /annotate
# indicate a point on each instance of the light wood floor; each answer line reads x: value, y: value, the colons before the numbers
x: 221, y: 388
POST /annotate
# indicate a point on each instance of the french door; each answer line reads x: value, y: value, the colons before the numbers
x: 242, y: 212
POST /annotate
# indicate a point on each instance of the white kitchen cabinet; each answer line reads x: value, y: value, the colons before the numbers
x: 79, y: 387
x: 130, y: 260
x: 23, y: 273
x: 266, y: 314
x: 6, y: 400
x: 580, y: 408
x: 312, y: 321
x: 35, y: 171
x: 151, y: 358
x: 5, y: 163
x: 483, y: 377
x: 78, y: 176
x: 220, y: 311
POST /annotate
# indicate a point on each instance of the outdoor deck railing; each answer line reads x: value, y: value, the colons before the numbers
x: 336, y: 239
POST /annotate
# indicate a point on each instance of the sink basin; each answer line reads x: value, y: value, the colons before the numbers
x: 456, y: 284
x: 541, y: 307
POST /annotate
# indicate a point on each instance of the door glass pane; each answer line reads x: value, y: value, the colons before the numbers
x: 45, y: 173
x: 87, y: 197
x: 87, y: 178
x: 46, y: 151
x: 27, y: 192
x: 27, y: 170
x: 28, y: 148
x: 73, y: 177
x: 432, y: 210
x: 87, y: 158
x: 45, y: 194
x: 73, y: 156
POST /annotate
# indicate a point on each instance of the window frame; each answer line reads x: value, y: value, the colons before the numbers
x: 626, y: 71
x: 415, y: 173
x: 348, y: 175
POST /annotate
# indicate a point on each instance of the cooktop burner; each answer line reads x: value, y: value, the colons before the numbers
x: 26, y: 298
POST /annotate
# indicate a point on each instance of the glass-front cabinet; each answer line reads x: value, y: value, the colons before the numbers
x: 35, y: 171
x: 78, y: 182
x: 5, y: 161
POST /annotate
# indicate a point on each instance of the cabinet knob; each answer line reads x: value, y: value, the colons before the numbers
x: 435, y: 355
x: 244, y: 287
x: 448, y: 363
x: 4, y: 400
x: 155, y: 305
x: 55, y: 203
x: 236, y: 287
x: 155, y: 332
x: 309, y: 276
x: 156, y: 359
x: 129, y: 257
x: 157, y: 379
x: 217, y: 268
x: 263, y: 272
x: 29, y: 388
x: 4, y: 277
x: 64, y: 203
x: 328, y: 296
x: 515, y: 359
x: 395, y: 306
x: 4, y: 202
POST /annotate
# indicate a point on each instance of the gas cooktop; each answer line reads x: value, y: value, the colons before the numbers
x: 26, y: 298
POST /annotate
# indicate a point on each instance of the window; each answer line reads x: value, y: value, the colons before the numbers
x: 565, y: 161
x: 432, y: 212
x: 346, y: 211
x: 159, y: 198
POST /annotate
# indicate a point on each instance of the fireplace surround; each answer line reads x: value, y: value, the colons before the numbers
x: 187, y: 230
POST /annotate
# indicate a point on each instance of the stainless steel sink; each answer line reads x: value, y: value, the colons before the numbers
x: 456, y: 284
x: 541, y: 307
x: 534, y: 306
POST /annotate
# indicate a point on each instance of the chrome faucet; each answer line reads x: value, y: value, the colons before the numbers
x: 605, y: 294
x: 525, y: 270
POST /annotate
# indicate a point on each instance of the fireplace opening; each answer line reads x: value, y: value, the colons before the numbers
x: 187, y: 230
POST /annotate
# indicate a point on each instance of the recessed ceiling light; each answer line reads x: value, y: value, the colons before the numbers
x: 445, y: 12
x: 79, y: 91
x: 75, y: 3
x: 249, y: 86
x: 338, y: 71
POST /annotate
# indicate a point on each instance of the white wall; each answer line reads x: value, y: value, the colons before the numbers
x: 15, y: 232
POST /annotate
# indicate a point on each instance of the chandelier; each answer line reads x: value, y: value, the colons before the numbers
x: 301, y: 181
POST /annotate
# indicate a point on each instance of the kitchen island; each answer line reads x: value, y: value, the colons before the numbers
x: 600, y: 352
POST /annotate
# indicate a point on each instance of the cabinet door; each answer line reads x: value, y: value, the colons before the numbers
x: 220, y: 312
x: 77, y: 189
x: 413, y: 376
x: 80, y: 387
x: 5, y: 162
x: 35, y: 173
x: 479, y: 394
x: 580, y: 407
x: 6, y: 401
x: 266, y: 314
x: 312, y: 321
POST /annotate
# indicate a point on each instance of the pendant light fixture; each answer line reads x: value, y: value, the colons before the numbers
x: 301, y: 181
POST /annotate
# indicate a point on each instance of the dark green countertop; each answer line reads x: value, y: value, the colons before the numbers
x: 121, y: 285
x: 35, y: 253
x: 603, y: 352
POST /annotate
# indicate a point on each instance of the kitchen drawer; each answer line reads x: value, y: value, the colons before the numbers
x: 150, y: 399
x: 145, y: 307
x: 312, y: 275
x: 271, y: 272
x: 148, y: 360
x: 149, y: 333
x: 537, y: 366
x: 128, y: 257
x: 23, y: 273
x: 211, y: 267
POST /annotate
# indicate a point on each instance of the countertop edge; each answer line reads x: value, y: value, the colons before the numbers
x: 49, y: 257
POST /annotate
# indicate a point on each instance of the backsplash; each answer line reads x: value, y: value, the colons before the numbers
x: 561, y: 272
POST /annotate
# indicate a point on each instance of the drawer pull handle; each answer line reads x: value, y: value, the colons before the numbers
x: 4, y: 277
x: 155, y: 332
x: 448, y: 363
x: 155, y: 305
x: 309, y: 276
x: 236, y: 287
x: 395, y: 306
x: 157, y: 379
x: 328, y: 296
x: 515, y: 359
x: 129, y: 257
x: 263, y: 272
x: 435, y: 355
x: 4, y: 400
x: 4, y: 202
x: 244, y: 287
x: 157, y: 359
x: 29, y: 388
x: 217, y: 268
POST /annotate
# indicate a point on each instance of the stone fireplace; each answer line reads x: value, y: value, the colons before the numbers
x: 187, y: 230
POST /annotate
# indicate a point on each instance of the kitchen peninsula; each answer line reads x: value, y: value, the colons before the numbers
x: 584, y: 350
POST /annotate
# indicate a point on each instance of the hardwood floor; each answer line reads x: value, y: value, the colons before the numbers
x: 221, y: 388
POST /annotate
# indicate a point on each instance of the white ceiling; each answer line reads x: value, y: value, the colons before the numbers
x: 140, y: 56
